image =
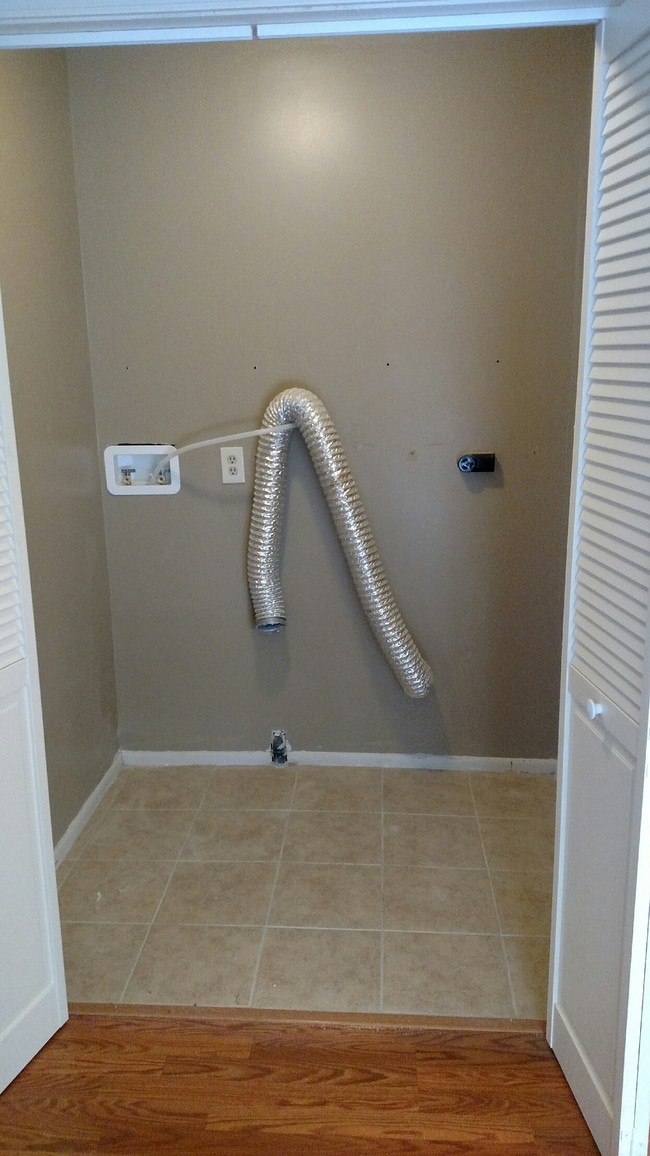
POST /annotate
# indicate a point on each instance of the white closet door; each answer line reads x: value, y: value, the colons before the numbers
x: 602, y: 890
x: 32, y: 988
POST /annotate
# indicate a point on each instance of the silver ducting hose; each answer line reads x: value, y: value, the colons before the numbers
x: 305, y: 410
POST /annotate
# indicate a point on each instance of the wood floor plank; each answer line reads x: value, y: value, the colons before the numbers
x: 139, y: 1085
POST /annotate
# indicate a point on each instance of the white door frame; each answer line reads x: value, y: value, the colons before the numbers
x: 100, y: 22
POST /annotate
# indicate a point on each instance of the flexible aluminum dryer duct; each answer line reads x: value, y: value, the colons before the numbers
x: 307, y: 412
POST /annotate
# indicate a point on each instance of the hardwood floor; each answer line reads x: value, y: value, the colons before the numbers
x: 273, y: 1086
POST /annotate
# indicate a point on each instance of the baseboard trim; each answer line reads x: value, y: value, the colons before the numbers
x: 90, y: 806
x: 338, y: 759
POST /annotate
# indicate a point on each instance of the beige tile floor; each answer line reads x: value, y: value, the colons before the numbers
x: 318, y: 888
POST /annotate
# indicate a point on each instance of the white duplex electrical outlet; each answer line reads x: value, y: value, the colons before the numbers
x: 232, y: 465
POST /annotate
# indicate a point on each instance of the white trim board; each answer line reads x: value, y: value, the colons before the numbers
x: 90, y: 806
x: 454, y: 22
x: 66, y: 23
x: 57, y: 37
x: 337, y: 759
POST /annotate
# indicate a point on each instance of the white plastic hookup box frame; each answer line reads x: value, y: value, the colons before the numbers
x: 130, y: 470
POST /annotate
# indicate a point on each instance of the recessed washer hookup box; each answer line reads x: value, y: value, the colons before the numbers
x: 136, y: 469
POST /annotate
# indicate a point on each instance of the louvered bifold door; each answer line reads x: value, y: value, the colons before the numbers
x: 32, y: 988
x: 602, y: 759
x: 613, y: 560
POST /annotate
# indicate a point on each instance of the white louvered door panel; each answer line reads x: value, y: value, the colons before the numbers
x: 32, y: 987
x: 601, y: 892
x: 609, y: 638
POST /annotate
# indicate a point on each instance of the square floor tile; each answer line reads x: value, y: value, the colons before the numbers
x: 251, y: 788
x: 528, y: 960
x: 438, y: 899
x: 202, y: 966
x: 63, y: 870
x: 110, y: 794
x: 140, y: 834
x: 236, y: 835
x: 319, y: 970
x: 327, y: 895
x: 162, y: 788
x: 113, y: 891
x: 523, y: 901
x: 338, y: 789
x: 518, y: 844
x: 99, y: 958
x: 92, y: 825
x: 428, y: 792
x: 432, y: 841
x: 230, y: 893
x: 333, y: 837
x: 303, y: 849
x: 512, y: 795
x: 452, y: 975
x: 88, y: 833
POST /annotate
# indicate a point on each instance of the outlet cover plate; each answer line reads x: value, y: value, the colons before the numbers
x: 232, y: 465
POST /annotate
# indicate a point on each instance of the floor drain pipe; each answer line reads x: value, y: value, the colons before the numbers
x: 305, y: 410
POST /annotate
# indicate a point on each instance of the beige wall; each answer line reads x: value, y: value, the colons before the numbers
x: 40, y: 275
x: 396, y: 223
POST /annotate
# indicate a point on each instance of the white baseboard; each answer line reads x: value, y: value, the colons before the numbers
x: 196, y: 758
x: 90, y: 806
x: 338, y: 759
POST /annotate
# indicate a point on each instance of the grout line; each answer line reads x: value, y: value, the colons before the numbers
x: 273, y: 859
x: 336, y: 811
x: 103, y: 923
x: 214, y: 810
x: 525, y: 935
x: 300, y: 927
x: 165, y: 889
x: 392, y: 930
x: 210, y: 923
x: 180, y: 923
x: 365, y: 930
x: 272, y: 895
x: 129, y: 977
x: 376, y: 863
x: 334, y: 865
x: 370, y: 811
x: 494, y: 901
